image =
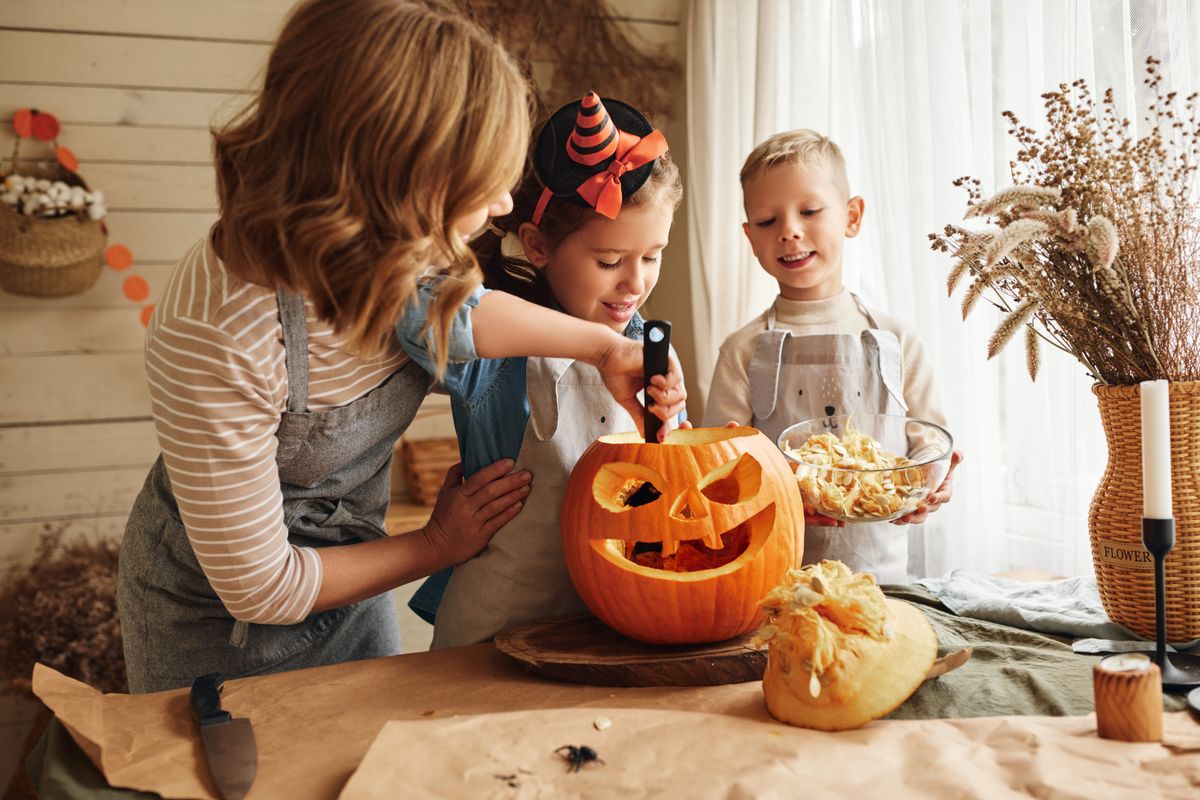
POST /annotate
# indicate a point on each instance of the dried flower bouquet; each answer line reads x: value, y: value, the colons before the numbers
x: 61, y: 610
x: 1096, y: 249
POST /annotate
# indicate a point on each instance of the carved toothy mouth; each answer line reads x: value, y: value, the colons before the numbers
x: 685, y: 526
x: 690, y: 556
x: 691, y: 559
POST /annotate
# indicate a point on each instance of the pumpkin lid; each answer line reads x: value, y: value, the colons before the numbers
x: 840, y: 653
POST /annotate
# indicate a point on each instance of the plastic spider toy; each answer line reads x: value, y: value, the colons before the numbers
x: 576, y: 757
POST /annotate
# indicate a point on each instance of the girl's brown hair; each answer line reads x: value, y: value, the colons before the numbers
x: 561, y: 218
x: 379, y: 123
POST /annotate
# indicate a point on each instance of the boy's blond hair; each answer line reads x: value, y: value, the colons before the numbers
x: 801, y: 146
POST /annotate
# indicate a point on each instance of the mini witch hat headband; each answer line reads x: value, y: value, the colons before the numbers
x: 595, y: 153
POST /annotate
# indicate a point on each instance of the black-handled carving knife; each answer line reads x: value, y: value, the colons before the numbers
x: 656, y: 352
x: 229, y: 745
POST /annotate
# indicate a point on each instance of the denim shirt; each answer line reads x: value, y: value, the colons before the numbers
x: 488, y: 400
x: 487, y: 395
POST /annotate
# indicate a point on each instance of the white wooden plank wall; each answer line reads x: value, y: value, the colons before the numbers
x: 135, y: 84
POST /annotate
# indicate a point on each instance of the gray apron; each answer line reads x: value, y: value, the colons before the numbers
x: 521, y: 575
x: 794, y: 378
x: 334, y: 469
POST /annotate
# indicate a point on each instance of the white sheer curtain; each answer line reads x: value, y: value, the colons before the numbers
x: 913, y: 93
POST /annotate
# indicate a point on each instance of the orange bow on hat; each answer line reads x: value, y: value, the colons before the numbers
x: 603, y: 190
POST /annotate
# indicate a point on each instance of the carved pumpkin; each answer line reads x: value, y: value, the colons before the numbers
x: 676, y: 543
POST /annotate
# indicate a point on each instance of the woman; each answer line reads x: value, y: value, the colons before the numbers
x: 278, y: 388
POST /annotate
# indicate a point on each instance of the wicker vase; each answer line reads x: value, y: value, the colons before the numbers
x: 1124, y: 570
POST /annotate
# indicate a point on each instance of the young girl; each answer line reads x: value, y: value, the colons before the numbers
x: 586, y: 236
x: 385, y: 133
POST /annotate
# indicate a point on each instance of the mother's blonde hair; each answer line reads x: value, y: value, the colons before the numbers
x: 379, y: 123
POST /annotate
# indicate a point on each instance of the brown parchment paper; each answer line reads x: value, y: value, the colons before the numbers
x: 665, y: 753
x: 313, y: 727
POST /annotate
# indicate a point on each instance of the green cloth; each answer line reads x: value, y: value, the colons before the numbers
x: 1011, y: 672
x: 60, y: 770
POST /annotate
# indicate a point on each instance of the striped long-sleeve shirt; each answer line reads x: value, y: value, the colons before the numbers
x: 218, y: 387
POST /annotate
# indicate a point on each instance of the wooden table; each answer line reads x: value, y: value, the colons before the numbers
x: 315, y: 726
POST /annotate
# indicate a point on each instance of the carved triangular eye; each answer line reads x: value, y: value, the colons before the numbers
x: 620, y: 486
x: 733, y: 481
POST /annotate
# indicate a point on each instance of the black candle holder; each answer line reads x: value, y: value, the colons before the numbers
x: 1180, y: 671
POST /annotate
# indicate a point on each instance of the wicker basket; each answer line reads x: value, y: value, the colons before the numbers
x: 1124, y: 570
x: 423, y: 463
x: 49, y: 257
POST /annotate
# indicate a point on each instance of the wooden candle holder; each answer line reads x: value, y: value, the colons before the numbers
x: 1128, y: 689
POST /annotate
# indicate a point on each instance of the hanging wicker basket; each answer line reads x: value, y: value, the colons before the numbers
x: 49, y: 256
x: 1124, y: 569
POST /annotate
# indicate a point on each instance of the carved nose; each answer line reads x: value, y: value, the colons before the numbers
x: 829, y: 411
x: 690, y: 505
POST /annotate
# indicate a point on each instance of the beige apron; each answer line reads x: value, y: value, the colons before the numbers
x: 794, y: 378
x: 521, y: 575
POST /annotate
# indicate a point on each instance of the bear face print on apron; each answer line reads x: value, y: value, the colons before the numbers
x: 794, y: 378
x: 335, y: 474
x: 521, y: 575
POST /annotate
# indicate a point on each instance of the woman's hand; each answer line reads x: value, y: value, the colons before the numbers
x: 938, y: 498
x: 505, y: 326
x: 467, y: 513
x: 622, y: 367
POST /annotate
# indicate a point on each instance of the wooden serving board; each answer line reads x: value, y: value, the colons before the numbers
x: 585, y: 650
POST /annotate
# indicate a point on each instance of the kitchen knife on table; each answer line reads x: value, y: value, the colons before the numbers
x: 228, y: 743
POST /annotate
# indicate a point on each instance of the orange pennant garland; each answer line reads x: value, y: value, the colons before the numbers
x: 118, y: 257
x: 67, y: 159
x: 136, y: 288
x: 44, y: 126
x: 22, y: 123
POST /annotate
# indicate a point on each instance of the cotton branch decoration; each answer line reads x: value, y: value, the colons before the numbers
x: 1096, y: 249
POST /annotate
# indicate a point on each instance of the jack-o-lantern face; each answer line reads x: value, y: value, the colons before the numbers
x: 677, y: 542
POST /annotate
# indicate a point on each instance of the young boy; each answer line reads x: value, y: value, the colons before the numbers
x: 818, y: 351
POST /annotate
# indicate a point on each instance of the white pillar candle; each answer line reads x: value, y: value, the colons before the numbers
x: 1156, y: 451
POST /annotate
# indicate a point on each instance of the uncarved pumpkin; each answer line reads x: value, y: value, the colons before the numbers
x: 839, y: 653
x: 714, y: 515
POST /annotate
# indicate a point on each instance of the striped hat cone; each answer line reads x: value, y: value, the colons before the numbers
x: 595, y: 152
x: 595, y: 137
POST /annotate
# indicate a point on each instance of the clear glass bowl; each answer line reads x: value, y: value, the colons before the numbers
x: 870, y: 494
